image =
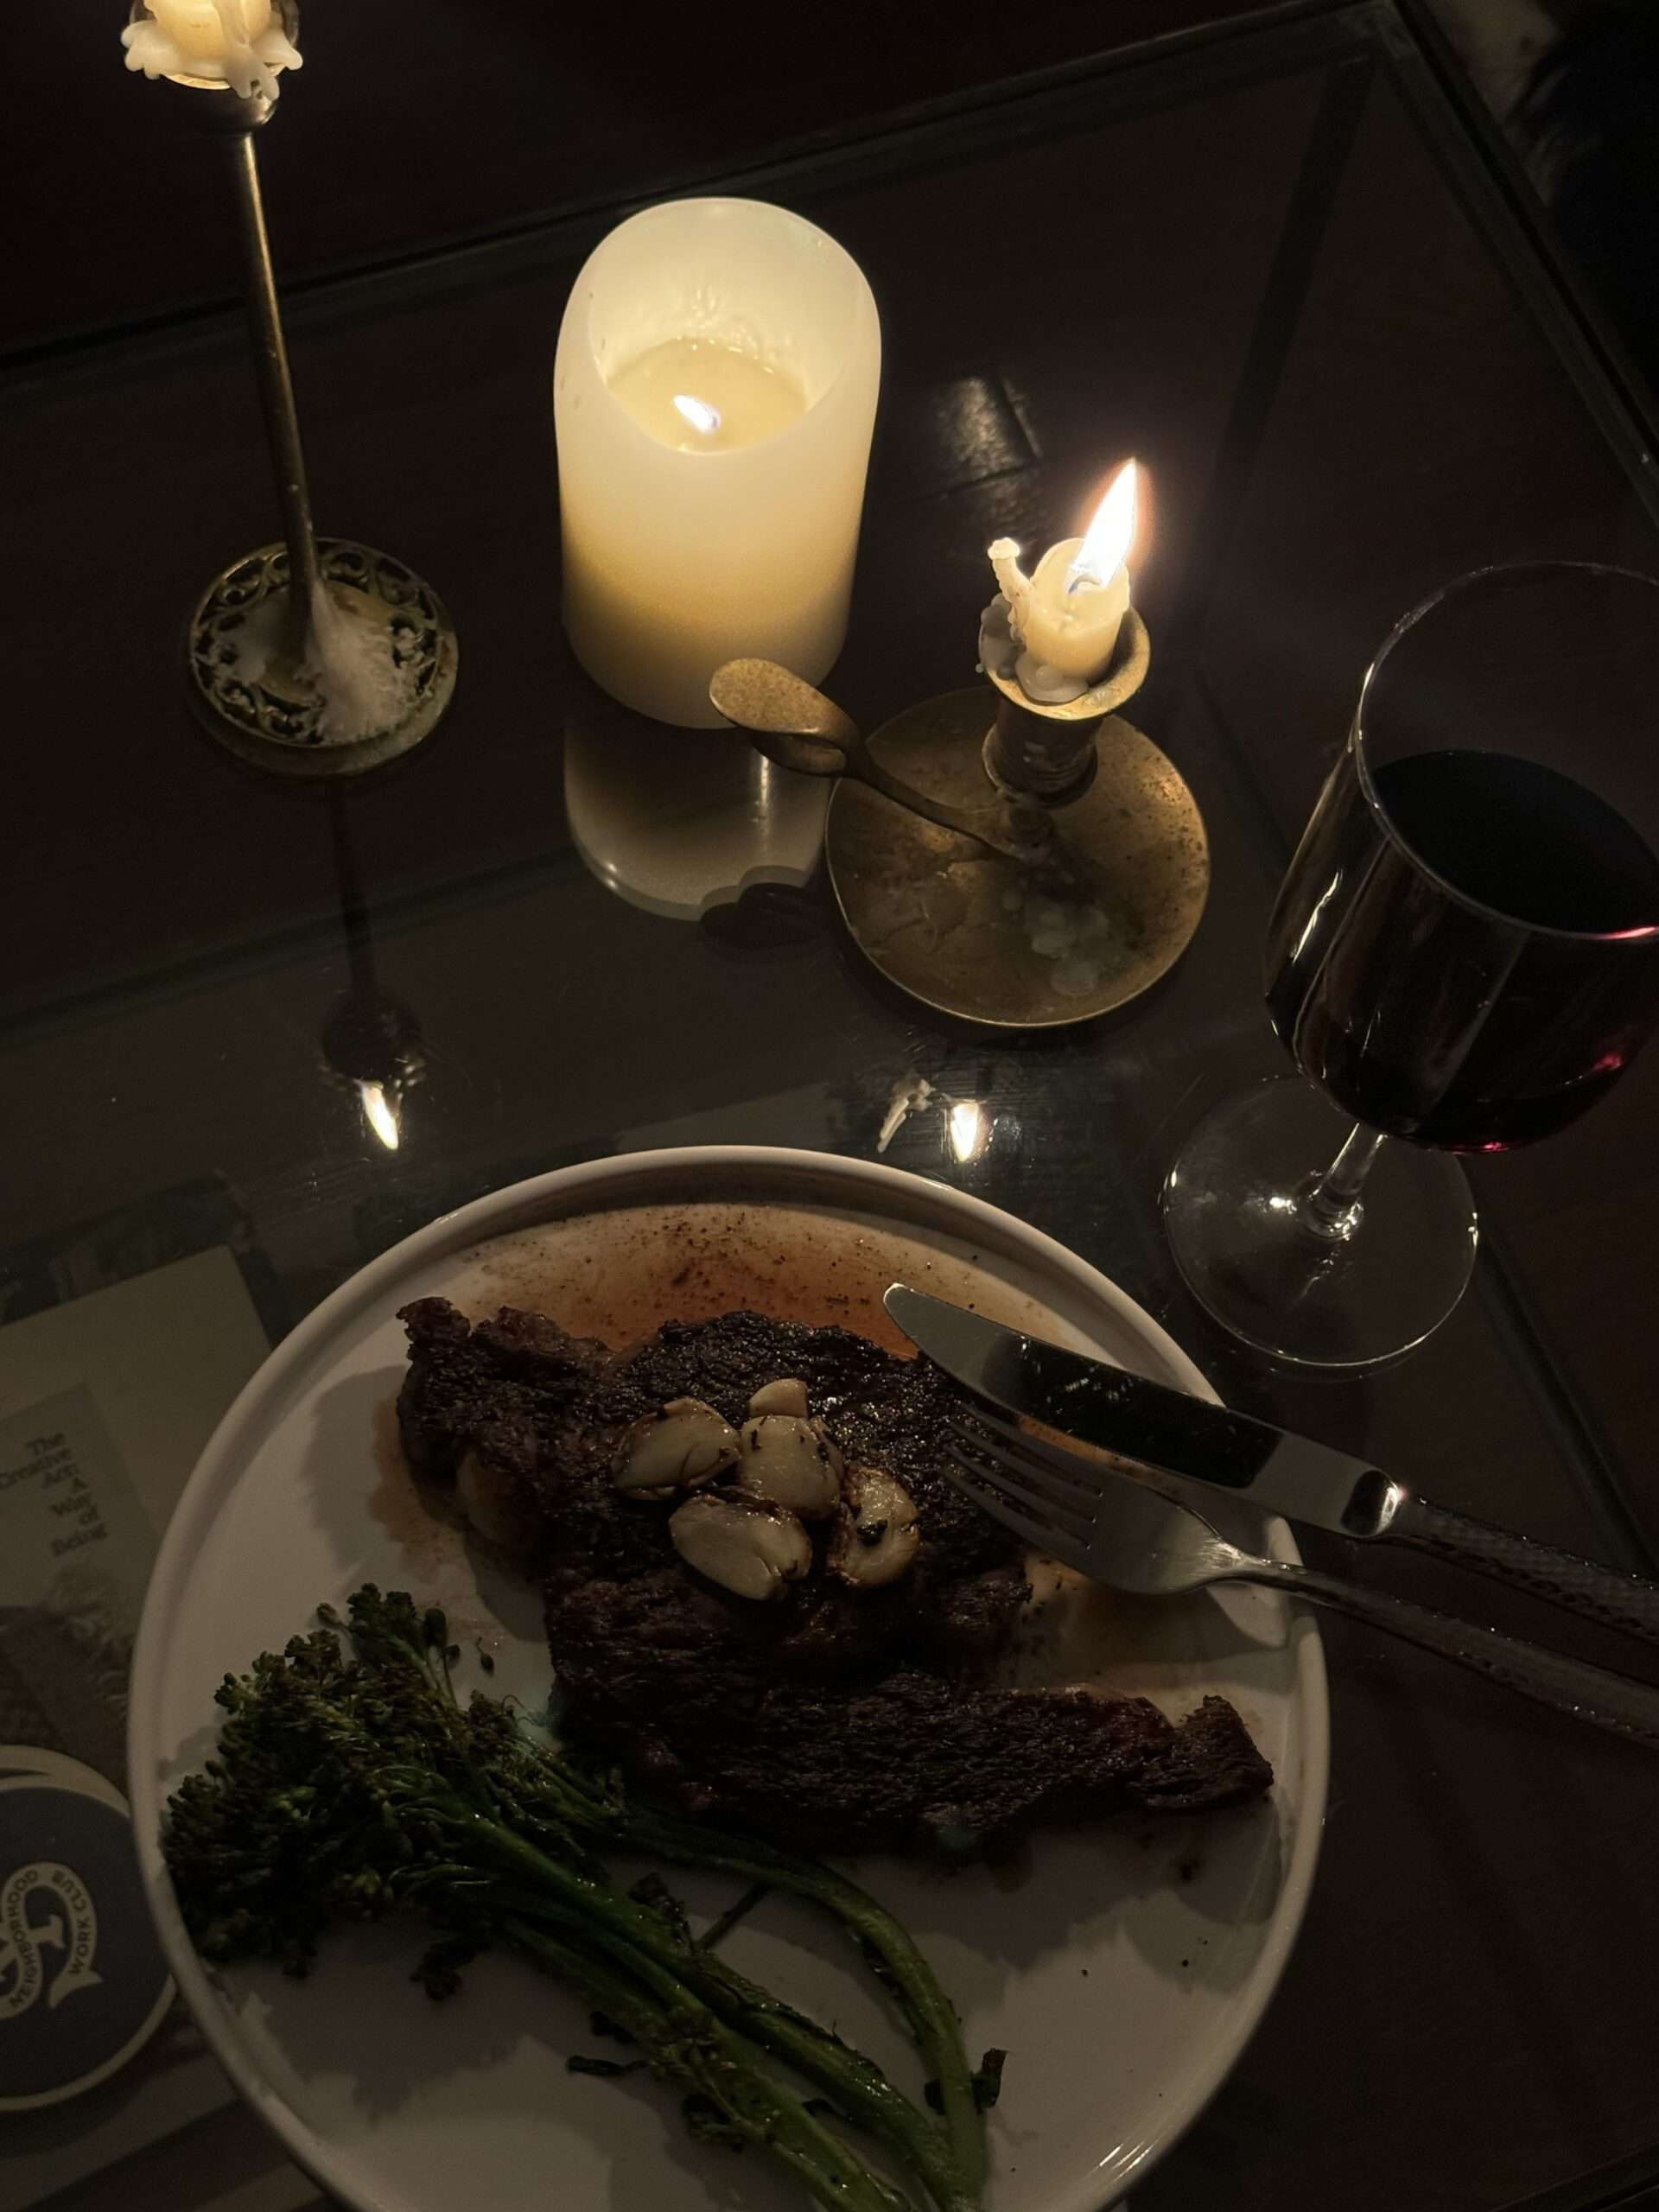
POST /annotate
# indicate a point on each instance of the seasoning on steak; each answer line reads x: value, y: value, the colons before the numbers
x: 527, y: 1423
x: 828, y: 1718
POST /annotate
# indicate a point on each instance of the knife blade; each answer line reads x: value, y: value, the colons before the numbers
x: 1151, y: 1429
x: 1147, y: 1424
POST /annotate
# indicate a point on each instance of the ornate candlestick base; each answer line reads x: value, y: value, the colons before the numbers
x: 394, y: 664
x: 1107, y: 904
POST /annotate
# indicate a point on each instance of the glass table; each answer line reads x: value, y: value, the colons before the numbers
x: 1282, y: 261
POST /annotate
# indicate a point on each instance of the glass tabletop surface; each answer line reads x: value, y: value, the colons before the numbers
x: 1279, y: 266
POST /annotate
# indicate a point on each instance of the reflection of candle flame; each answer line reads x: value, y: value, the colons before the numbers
x: 1313, y: 923
x: 970, y: 1132
x: 379, y: 1113
x: 698, y: 413
x: 1106, y: 543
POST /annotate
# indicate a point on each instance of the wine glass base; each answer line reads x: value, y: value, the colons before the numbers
x: 1232, y: 1215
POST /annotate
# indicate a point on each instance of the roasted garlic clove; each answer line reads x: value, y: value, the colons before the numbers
x: 792, y: 1463
x: 683, y: 1445
x: 746, y: 1545
x: 788, y: 1396
x: 876, y: 1535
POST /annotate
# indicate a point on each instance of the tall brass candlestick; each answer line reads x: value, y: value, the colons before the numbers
x: 314, y: 657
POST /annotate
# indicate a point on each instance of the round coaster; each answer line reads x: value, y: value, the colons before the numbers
x: 34, y: 1758
x: 83, y: 1985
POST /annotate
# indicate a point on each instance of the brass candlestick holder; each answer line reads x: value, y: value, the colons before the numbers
x: 1028, y: 875
x: 314, y: 657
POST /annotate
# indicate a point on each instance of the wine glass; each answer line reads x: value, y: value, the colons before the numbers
x: 1465, y: 956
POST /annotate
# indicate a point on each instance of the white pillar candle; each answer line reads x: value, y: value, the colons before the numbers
x: 241, y: 43
x: 1067, y: 615
x: 714, y: 396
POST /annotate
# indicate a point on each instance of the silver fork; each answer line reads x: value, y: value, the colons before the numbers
x: 1114, y: 1529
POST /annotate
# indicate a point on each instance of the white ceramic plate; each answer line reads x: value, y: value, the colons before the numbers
x: 1122, y: 1970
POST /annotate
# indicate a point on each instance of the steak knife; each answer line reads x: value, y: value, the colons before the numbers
x: 1169, y: 1432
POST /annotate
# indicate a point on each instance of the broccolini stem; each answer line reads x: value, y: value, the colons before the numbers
x: 908, y: 1978
x: 685, y: 2044
x: 880, y: 1939
x: 634, y: 1934
x: 349, y: 1788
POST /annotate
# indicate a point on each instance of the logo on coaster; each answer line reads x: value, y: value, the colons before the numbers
x: 82, y: 1984
x: 70, y: 1930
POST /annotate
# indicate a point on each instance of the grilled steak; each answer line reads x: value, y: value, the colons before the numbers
x: 902, y: 1759
x: 827, y: 1717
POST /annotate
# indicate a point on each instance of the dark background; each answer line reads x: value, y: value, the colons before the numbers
x: 421, y: 123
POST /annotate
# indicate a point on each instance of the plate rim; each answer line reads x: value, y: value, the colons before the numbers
x: 546, y: 1197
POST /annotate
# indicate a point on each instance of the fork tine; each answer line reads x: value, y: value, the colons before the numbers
x: 1064, y: 1497
x: 1030, y: 1454
x: 1032, y: 1485
x: 998, y: 1498
x: 988, y: 1493
x: 1025, y: 1486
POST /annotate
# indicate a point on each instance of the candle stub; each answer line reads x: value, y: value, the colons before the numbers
x: 997, y: 651
x: 701, y: 396
x: 240, y: 44
x: 1065, y: 617
x: 1048, y: 685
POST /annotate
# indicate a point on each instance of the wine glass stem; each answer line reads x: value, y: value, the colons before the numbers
x: 1329, y: 1205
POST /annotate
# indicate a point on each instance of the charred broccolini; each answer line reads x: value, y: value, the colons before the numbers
x: 350, y: 1783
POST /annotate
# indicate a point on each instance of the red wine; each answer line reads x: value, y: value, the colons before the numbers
x: 1417, y: 978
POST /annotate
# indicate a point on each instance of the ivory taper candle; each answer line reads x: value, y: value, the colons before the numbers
x: 1066, y: 615
x: 241, y: 43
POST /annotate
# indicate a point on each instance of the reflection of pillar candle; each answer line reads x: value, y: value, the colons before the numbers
x: 1067, y: 615
x: 680, y: 822
x: 713, y: 397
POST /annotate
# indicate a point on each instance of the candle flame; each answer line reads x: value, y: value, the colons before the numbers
x: 698, y: 413
x: 1106, y: 543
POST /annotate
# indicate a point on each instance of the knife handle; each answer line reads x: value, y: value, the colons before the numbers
x: 1616, y: 1702
x: 1603, y: 1593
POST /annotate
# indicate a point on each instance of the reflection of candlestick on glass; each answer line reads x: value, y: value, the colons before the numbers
x: 371, y: 1041
x: 714, y: 396
x: 312, y: 656
x: 380, y: 1114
